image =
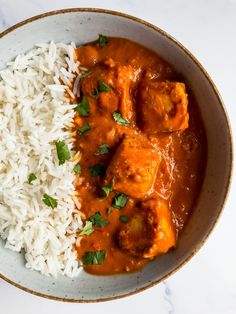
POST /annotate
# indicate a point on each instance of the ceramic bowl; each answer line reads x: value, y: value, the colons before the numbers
x: 82, y: 26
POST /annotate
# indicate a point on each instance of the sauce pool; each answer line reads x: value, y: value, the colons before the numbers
x: 183, y: 153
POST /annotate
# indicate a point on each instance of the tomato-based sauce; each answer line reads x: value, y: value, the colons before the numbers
x: 155, y: 159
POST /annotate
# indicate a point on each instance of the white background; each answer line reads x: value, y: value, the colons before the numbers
x: 207, y: 284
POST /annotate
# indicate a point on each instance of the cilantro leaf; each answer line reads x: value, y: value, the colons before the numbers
x: 119, y: 200
x: 49, y: 201
x: 107, y: 189
x: 85, y: 128
x: 102, y: 87
x: 97, y: 170
x: 124, y: 219
x: 63, y: 152
x: 31, y: 177
x: 103, y: 40
x: 97, y: 220
x: 88, y: 228
x: 103, y: 150
x: 83, y: 107
x: 119, y: 119
x: 95, y: 94
x: 109, y: 211
x: 85, y: 74
x: 94, y: 257
x: 77, y: 169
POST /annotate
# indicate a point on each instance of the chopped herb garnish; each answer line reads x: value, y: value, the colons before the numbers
x: 109, y: 211
x: 88, y: 228
x: 124, y: 219
x: 119, y: 200
x: 85, y: 128
x: 102, y: 87
x: 119, y: 119
x: 97, y: 170
x: 98, y: 221
x: 103, y: 40
x: 63, y: 152
x: 103, y: 149
x: 107, y: 189
x: 77, y: 169
x: 31, y: 177
x: 94, y: 257
x: 95, y: 94
x: 49, y: 201
x: 85, y: 74
x: 83, y: 107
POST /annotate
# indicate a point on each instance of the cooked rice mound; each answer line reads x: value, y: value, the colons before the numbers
x: 34, y: 115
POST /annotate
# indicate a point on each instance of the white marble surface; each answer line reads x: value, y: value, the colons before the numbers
x: 207, y: 284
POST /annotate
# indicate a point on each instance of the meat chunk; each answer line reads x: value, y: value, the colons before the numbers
x: 163, y: 106
x: 150, y: 231
x: 87, y: 55
x: 125, y: 78
x: 134, y: 167
x: 121, y: 79
x: 108, y: 101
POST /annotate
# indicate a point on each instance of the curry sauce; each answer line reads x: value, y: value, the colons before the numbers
x: 143, y: 154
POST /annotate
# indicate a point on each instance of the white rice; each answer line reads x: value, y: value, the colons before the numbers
x: 33, y: 115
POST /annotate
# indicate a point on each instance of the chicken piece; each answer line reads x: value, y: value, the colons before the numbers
x: 108, y: 101
x: 150, y: 231
x: 87, y: 55
x: 125, y: 77
x: 163, y: 106
x: 121, y: 79
x: 134, y: 167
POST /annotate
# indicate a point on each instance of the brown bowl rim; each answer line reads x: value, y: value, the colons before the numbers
x: 217, y: 94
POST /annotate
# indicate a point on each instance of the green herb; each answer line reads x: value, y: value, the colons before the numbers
x: 119, y: 200
x: 63, y: 152
x: 31, y: 177
x: 49, y: 201
x: 103, y: 149
x: 94, y: 257
x: 85, y: 74
x: 98, y: 221
x: 83, y: 107
x: 119, y: 119
x: 77, y: 169
x: 103, y: 40
x: 124, y: 219
x: 109, y: 211
x: 107, y: 189
x: 102, y: 87
x: 85, y: 128
x: 97, y: 170
x: 88, y: 228
x: 95, y: 94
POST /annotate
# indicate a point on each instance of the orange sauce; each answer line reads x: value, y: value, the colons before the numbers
x: 183, y: 153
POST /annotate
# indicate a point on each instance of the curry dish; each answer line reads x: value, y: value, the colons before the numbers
x: 143, y: 153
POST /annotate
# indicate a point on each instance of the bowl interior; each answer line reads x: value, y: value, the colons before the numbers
x: 83, y: 27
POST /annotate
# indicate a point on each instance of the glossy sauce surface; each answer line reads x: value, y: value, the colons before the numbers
x: 183, y: 153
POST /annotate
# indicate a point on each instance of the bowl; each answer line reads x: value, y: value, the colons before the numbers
x: 82, y: 26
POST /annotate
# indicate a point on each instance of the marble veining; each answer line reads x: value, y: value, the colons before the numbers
x: 3, y: 22
x: 168, y: 298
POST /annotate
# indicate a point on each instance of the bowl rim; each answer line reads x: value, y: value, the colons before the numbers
x: 230, y: 138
